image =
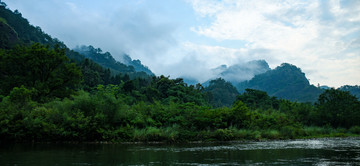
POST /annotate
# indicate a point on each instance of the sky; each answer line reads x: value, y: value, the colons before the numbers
x: 187, y: 38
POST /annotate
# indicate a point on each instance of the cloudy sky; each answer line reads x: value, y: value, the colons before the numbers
x: 189, y: 37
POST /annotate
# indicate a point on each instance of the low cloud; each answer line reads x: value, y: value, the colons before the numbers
x: 119, y: 29
x: 202, y: 62
x: 320, y: 37
x: 314, y: 35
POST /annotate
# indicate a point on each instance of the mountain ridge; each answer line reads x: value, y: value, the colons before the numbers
x: 285, y: 81
x: 27, y: 34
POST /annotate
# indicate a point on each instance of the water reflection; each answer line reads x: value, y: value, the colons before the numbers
x: 339, y: 151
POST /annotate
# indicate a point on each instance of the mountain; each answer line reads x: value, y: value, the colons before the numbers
x: 235, y: 73
x: 126, y: 59
x: 17, y: 30
x: 190, y: 81
x: 104, y: 59
x: 8, y: 36
x: 354, y: 90
x: 242, y: 72
x: 107, y: 60
x: 324, y: 87
x: 221, y: 93
x: 22, y: 29
x: 285, y: 81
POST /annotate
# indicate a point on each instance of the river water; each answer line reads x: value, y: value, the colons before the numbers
x: 334, y: 151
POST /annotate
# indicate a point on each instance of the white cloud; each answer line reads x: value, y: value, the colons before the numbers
x: 196, y: 61
x: 319, y: 36
x: 115, y: 26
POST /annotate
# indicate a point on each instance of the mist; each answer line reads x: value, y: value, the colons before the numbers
x: 190, y: 38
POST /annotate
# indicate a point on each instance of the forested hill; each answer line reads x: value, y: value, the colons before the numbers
x: 14, y: 25
x: 49, y: 93
x: 8, y: 35
x: 354, y: 90
x: 106, y: 60
x: 286, y: 81
x: 16, y: 30
x: 221, y: 93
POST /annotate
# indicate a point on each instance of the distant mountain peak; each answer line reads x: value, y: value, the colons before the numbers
x: 108, y: 61
x: 285, y: 81
x: 235, y: 73
x: 136, y: 64
x: 245, y: 71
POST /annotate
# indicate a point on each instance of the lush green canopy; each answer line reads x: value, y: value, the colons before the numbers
x: 47, y: 71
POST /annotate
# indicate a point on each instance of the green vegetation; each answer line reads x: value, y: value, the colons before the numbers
x: 51, y: 93
x: 42, y: 100
x: 96, y: 67
x: 107, y: 60
x: 354, y: 90
x: 285, y: 82
x: 221, y: 93
x: 45, y: 71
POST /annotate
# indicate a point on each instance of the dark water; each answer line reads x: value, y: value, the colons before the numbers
x: 338, y: 151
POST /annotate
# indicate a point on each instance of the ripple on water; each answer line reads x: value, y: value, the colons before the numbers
x: 338, y: 144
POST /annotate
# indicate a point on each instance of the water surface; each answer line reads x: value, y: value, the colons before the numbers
x: 334, y: 151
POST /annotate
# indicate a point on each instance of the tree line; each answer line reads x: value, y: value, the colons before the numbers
x: 47, y: 97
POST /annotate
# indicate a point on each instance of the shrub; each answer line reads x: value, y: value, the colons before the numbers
x: 355, y: 129
x: 271, y: 134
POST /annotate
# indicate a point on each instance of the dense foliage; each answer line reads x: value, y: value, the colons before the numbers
x: 221, y: 93
x: 167, y: 110
x: 36, y: 82
x: 354, y: 90
x: 51, y: 93
x: 46, y: 71
x: 338, y: 108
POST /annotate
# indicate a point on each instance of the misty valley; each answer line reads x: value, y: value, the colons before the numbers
x: 56, y: 101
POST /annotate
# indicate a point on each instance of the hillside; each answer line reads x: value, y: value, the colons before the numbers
x: 354, y: 90
x: 8, y: 36
x: 126, y: 59
x: 50, y: 93
x: 222, y: 93
x: 106, y: 60
x: 286, y: 81
x: 17, y: 30
x: 26, y: 32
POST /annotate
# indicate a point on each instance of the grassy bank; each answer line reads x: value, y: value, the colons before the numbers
x: 233, y: 134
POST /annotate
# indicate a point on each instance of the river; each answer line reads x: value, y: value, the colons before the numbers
x: 333, y: 151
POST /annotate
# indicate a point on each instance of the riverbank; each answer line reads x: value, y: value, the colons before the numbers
x: 233, y: 134
x: 172, y: 136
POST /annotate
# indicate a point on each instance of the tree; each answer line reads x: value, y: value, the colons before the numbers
x: 223, y: 93
x: 338, y: 108
x: 46, y: 70
x: 258, y: 99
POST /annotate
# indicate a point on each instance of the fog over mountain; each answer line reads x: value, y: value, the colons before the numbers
x: 235, y: 73
x: 107, y: 59
x: 245, y: 71
x: 188, y: 38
